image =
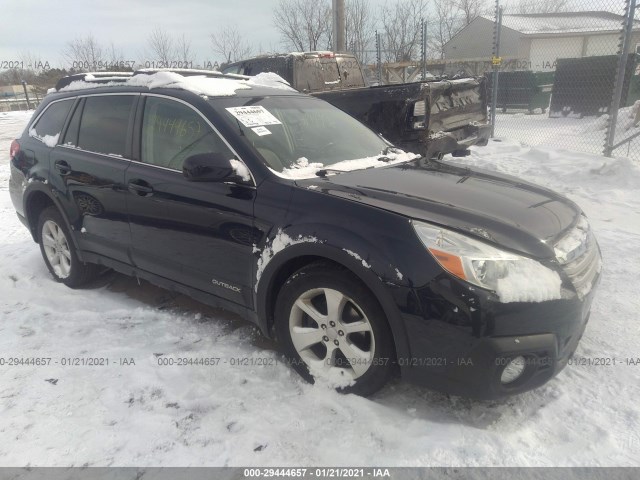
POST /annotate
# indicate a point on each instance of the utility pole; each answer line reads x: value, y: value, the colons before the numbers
x: 338, y: 26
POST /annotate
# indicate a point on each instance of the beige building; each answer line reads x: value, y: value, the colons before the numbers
x: 536, y: 41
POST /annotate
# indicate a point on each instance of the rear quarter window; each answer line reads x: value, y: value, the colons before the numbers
x: 104, y: 127
x: 52, y: 120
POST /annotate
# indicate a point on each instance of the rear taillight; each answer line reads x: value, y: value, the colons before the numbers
x: 419, y: 115
x: 14, y: 149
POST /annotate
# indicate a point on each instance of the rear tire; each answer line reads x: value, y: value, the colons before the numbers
x: 59, y: 253
x: 332, y: 327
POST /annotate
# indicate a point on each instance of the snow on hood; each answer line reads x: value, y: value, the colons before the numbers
x: 305, y: 169
x: 198, y: 84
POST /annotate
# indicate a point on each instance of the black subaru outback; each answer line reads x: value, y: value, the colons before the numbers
x: 362, y: 260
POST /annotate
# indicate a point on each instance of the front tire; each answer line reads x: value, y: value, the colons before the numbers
x: 58, y: 251
x: 331, y: 327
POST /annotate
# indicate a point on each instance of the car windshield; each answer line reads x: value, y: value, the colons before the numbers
x: 298, y: 137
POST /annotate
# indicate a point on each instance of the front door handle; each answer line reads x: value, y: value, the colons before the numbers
x: 140, y: 187
x: 62, y: 167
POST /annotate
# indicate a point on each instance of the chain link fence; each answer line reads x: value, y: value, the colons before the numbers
x: 567, y: 79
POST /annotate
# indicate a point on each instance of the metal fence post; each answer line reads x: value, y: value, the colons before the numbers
x: 379, y: 57
x: 26, y: 94
x: 496, y: 67
x: 620, y: 75
x: 423, y: 56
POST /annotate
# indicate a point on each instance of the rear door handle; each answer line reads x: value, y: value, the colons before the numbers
x: 62, y: 167
x: 140, y: 187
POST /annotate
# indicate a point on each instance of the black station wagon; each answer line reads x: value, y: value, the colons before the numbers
x: 363, y: 261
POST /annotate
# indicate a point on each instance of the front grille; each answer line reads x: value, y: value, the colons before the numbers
x: 579, y: 256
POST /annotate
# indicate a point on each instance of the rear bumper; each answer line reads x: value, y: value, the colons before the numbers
x: 462, y: 342
x: 443, y: 143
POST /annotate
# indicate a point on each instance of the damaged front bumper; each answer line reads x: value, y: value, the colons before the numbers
x: 464, y: 339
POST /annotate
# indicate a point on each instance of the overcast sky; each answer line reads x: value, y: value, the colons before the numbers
x: 44, y: 27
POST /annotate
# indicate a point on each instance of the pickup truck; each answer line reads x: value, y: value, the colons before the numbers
x: 431, y: 118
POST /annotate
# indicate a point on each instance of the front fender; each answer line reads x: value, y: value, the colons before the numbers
x: 314, y: 242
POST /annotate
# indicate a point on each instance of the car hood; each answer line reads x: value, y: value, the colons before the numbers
x: 501, y: 209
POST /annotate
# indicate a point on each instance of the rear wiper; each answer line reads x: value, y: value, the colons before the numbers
x: 324, y: 171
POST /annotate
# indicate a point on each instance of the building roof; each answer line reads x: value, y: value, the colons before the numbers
x: 563, y: 22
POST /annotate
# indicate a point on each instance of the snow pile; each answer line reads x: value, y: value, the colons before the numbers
x: 529, y: 281
x: 331, y: 378
x: 49, y: 140
x: 303, y: 168
x: 240, y: 169
x: 571, y: 133
x: 198, y: 84
x: 270, y: 79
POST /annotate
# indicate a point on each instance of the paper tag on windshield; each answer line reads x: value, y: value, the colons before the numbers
x: 261, y: 131
x: 253, y: 116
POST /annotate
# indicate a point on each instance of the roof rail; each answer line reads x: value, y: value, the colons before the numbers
x: 98, y: 78
x: 93, y: 77
x: 190, y: 72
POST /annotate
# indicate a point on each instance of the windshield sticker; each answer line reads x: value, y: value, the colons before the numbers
x: 253, y: 116
x: 261, y: 131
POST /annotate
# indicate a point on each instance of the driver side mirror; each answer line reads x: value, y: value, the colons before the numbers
x: 209, y: 167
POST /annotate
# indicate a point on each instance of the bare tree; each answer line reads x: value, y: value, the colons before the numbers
x: 84, y: 53
x: 543, y: 6
x: 185, y: 52
x: 401, y: 26
x: 116, y: 61
x: 360, y: 29
x: 162, y: 46
x: 303, y: 24
x: 446, y: 22
x: 230, y: 44
x: 470, y: 9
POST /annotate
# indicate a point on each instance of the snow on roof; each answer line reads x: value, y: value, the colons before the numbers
x: 199, y: 84
x: 565, y: 22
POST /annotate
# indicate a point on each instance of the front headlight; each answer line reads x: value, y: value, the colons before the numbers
x: 512, y: 277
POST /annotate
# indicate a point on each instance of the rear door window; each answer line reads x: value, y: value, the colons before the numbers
x: 172, y: 131
x: 52, y: 120
x: 104, y: 127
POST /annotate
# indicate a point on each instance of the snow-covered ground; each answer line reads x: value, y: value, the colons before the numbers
x: 147, y: 414
x: 577, y: 134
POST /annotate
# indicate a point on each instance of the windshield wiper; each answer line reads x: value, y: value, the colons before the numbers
x: 325, y: 171
x: 386, y: 151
